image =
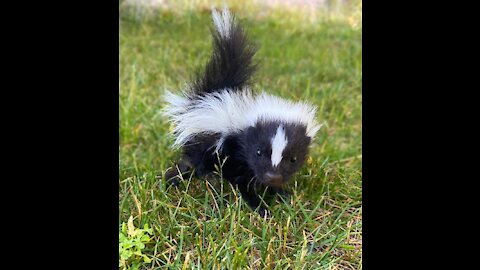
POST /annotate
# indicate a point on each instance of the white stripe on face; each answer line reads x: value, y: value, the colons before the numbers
x: 279, y: 142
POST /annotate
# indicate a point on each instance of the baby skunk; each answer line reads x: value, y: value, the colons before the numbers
x: 263, y: 139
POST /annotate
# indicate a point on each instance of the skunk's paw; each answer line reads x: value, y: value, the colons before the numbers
x: 171, y: 177
x: 177, y: 172
x: 284, y: 195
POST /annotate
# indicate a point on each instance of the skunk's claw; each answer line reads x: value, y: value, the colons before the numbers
x: 264, y: 213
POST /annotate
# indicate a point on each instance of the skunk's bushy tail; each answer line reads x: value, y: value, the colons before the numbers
x: 230, y: 65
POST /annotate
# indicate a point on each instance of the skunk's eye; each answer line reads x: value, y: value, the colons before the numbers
x: 259, y: 153
x: 293, y: 159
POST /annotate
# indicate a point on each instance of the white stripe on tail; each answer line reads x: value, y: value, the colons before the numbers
x: 223, y: 22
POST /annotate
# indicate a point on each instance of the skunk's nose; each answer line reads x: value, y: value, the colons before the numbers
x: 273, y: 178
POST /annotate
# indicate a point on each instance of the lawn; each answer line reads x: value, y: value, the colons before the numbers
x: 205, y: 224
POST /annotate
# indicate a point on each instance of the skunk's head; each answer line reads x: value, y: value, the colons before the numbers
x: 275, y: 151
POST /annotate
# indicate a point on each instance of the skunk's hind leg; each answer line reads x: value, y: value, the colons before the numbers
x: 176, y: 172
x: 198, y: 155
x: 194, y: 159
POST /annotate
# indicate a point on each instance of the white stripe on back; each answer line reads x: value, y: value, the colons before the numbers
x: 227, y: 112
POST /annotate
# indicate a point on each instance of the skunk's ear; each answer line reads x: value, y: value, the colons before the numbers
x: 309, y: 139
x: 303, y: 131
x: 250, y: 131
x: 250, y: 134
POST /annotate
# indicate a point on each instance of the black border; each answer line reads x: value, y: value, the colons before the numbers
x: 409, y: 85
x: 64, y: 156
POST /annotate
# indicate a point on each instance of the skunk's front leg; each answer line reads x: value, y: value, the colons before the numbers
x: 249, y: 194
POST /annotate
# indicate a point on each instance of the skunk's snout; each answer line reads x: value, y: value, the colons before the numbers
x: 273, y: 179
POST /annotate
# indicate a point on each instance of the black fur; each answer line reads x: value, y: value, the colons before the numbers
x: 230, y: 65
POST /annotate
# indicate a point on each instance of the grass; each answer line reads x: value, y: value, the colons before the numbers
x: 204, y: 224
